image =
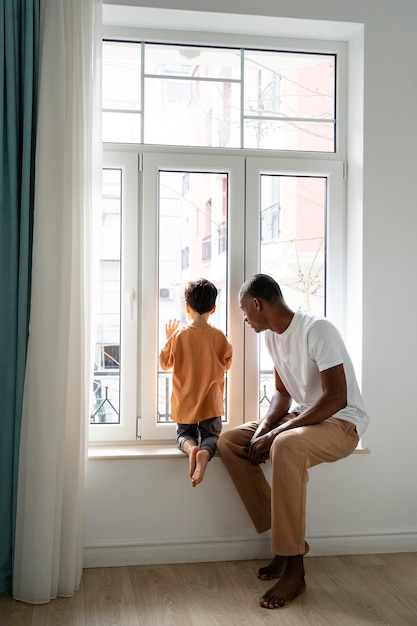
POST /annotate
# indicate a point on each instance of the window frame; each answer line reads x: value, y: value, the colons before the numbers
x: 244, y: 113
x: 153, y: 162
x: 133, y: 427
x: 125, y: 430
x: 138, y: 417
x: 335, y: 279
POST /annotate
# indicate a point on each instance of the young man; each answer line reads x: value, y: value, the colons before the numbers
x: 199, y: 355
x: 316, y: 415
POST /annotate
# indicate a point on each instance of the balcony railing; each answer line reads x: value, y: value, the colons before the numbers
x: 105, y: 407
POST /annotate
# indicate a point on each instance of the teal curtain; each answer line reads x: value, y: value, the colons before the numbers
x: 19, y: 55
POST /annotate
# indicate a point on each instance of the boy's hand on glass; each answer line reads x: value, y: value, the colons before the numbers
x: 170, y: 327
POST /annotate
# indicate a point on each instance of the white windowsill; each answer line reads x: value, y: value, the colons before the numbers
x: 134, y: 451
x: 107, y: 452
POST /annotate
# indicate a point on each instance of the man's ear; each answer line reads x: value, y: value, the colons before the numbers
x: 212, y: 310
x: 258, y: 304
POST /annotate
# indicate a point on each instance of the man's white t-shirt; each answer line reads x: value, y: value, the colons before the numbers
x: 310, y: 345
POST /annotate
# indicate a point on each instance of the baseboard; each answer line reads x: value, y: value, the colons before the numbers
x: 188, y: 551
x: 378, y: 542
x: 118, y: 553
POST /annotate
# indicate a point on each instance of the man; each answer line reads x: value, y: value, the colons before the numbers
x: 316, y: 415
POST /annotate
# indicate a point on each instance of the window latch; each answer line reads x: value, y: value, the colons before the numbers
x: 130, y: 300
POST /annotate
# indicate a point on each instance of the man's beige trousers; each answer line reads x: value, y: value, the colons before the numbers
x: 281, y: 506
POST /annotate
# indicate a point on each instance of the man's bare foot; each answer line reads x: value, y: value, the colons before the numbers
x: 202, y: 458
x: 274, y: 570
x: 192, y: 462
x: 290, y: 585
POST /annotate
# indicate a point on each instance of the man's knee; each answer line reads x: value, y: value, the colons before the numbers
x: 284, y: 442
x: 228, y: 440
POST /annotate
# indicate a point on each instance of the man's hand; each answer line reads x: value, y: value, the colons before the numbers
x: 261, y: 430
x: 269, y: 428
x: 259, y: 447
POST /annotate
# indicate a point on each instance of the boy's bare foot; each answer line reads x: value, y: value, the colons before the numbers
x: 202, y: 458
x: 192, y: 462
x: 290, y: 585
x: 274, y: 570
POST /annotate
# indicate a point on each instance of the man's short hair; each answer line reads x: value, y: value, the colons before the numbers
x: 261, y: 286
x: 201, y: 295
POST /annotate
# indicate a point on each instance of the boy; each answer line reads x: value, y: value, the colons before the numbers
x: 199, y: 355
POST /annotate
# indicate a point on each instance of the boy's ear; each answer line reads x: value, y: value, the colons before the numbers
x: 212, y: 310
x: 187, y: 307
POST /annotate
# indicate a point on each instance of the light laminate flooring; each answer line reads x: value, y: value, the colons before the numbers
x: 341, y: 591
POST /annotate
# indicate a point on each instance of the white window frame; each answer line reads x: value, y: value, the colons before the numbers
x: 152, y: 164
x: 138, y: 405
x: 126, y: 429
x: 335, y: 248
x: 139, y: 353
x: 338, y: 48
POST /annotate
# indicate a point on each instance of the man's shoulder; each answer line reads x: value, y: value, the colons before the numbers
x: 308, y: 317
x: 319, y: 330
x: 310, y: 320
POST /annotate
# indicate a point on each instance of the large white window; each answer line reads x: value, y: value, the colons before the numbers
x: 191, y: 206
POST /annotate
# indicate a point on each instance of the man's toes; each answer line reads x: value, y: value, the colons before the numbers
x: 265, y: 602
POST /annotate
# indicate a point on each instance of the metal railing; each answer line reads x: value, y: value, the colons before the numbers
x: 106, y: 409
x: 106, y: 405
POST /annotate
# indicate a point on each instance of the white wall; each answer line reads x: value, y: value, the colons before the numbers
x: 145, y: 511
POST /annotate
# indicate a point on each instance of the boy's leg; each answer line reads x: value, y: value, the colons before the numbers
x: 202, y: 458
x: 187, y: 440
x: 209, y: 434
x: 209, y: 430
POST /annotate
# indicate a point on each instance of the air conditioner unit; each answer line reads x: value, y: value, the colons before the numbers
x: 165, y: 294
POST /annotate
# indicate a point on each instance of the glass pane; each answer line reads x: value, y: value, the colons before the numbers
x: 122, y: 100
x: 289, y: 85
x: 289, y: 135
x: 170, y: 60
x: 293, y: 87
x: 106, y: 397
x: 121, y: 80
x: 192, y: 113
x: 122, y: 127
x: 293, y: 219
x: 192, y: 244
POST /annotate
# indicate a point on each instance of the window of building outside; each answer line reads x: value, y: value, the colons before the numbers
x: 218, y: 162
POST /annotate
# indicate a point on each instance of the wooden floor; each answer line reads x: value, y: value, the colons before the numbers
x: 341, y: 591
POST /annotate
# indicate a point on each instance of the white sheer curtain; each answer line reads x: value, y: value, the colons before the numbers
x: 49, y: 530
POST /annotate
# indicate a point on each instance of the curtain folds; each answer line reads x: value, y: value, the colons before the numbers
x: 49, y: 527
x: 19, y: 45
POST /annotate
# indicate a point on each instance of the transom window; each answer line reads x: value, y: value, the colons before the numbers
x: 218, y: 97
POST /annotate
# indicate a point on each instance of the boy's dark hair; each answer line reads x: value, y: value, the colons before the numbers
x: 200, y: 295
x: 261, y: 286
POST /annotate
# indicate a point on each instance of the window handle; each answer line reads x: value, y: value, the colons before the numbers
x: 130, y: 300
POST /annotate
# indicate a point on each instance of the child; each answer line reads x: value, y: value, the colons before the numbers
x: 199, y: 355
